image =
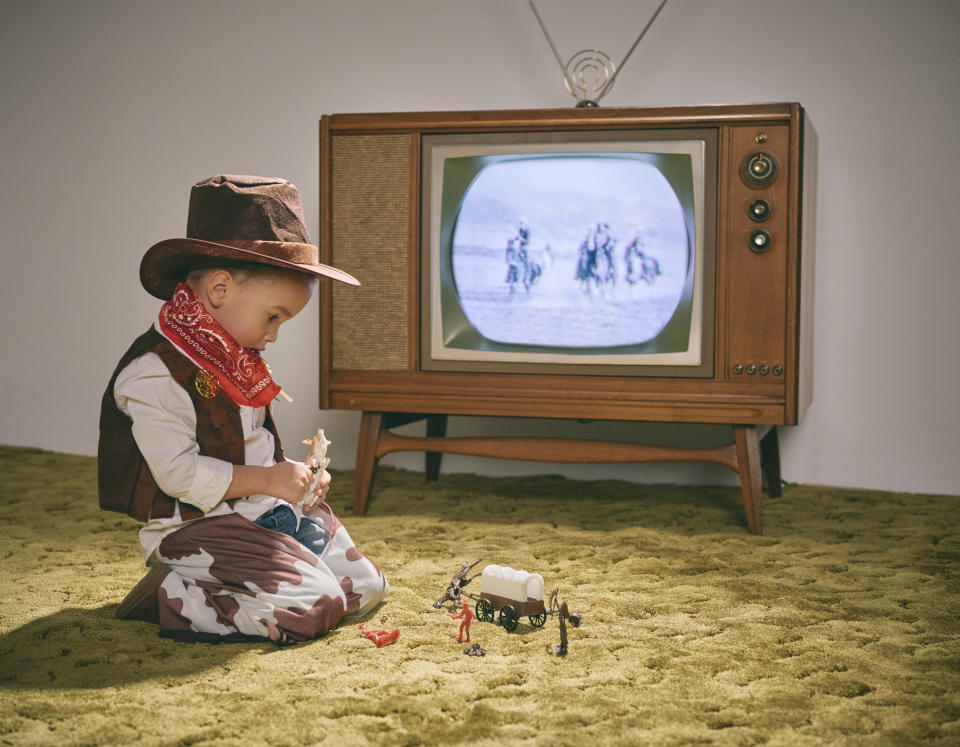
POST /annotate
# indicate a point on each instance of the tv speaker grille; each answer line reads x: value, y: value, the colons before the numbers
x: 370, y: 239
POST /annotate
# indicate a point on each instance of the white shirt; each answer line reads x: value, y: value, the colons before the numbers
x: 165, y: 428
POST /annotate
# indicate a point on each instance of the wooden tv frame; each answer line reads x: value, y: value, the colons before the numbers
x: 370, y: 347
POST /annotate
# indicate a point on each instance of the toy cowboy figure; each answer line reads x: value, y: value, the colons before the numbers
x: 467, y: 615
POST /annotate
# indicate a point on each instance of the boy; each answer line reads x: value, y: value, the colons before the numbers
x: 188, y: 443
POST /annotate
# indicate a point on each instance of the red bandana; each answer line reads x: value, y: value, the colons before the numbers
x: 240, y: 371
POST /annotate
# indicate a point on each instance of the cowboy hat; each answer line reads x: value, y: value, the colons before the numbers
x: 233, y: 219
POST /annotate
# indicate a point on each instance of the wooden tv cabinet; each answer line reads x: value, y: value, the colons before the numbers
x: 378, y: 342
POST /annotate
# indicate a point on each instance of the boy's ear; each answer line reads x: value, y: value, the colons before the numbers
x: 219, y: 284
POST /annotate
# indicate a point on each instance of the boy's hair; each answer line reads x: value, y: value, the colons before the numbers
x: 243, y: 271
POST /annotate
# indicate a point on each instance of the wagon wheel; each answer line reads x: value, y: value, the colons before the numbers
x: 537, y: 621
x: 484, y: 610
x: 508, y: 618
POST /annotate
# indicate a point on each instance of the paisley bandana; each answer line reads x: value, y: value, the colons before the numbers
x: 240, y: 371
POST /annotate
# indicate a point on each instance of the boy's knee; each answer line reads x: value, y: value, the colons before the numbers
x: 364, y: 593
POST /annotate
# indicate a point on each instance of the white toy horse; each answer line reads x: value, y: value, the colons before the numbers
x: 317, y: 460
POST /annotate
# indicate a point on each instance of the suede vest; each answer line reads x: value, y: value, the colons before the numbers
x: 125, y: 482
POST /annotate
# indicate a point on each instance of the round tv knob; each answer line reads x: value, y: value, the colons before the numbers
x: 759, y: 169
x: 759, y: 211
x: 760, y: 241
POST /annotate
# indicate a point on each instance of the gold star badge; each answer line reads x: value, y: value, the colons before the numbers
x: 206, y: 384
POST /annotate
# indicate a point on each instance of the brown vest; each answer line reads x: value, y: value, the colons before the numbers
x: 125, y: 482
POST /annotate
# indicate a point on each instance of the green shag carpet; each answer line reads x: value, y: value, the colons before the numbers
x: 839, y: 626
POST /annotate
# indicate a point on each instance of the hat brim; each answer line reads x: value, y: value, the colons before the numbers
x: 166, y: 263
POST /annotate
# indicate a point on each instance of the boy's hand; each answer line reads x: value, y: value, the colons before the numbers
x: 289, y: 480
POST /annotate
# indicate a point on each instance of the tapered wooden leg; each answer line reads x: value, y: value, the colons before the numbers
x: 770, y: 462
x: 436, y: 428
x: 371, y: 424
x: 751, y: 480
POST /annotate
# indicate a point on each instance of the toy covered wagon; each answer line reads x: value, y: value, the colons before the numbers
x: 513, y: 593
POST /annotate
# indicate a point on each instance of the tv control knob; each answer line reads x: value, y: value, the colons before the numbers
x: 764, y: 369
x: 760, y: 241
x: 751, y: 370
x: 759, y: 211
x: 759, y: 169
x: 738, y: 369
x: 778, y: 370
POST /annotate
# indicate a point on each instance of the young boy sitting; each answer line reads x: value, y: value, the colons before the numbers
x: 188, y: 444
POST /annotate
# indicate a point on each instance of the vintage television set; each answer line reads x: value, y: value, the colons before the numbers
x: 637, y: 264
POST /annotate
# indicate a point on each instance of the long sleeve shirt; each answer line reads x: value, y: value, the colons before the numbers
x: 164, y: 427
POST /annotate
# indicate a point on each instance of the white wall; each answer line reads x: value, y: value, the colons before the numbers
x: 112, y: 109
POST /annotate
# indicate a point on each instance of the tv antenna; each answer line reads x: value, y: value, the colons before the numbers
x: 590, y: 73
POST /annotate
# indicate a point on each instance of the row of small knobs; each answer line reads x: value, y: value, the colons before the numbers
x: 751, y: 369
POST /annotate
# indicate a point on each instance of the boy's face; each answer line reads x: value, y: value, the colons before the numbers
x: 252, y: 308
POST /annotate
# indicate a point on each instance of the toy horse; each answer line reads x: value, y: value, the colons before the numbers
x: 317, y: 460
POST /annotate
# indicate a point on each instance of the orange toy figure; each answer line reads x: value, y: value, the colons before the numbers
x: 467, y: 614
x: 380, y: 637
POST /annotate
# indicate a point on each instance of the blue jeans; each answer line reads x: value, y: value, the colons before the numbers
x: 310, y: 534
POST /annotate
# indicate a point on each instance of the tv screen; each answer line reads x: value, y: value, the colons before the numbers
x: 586, y: 250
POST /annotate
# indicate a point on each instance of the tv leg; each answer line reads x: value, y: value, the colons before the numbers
x: 749, y: 455
x: 371, y: 424
x: 770, y: 462
x: 436, y: 428
x: 748, y: 465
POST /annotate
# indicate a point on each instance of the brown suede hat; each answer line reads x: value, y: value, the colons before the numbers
x: 237, y: 219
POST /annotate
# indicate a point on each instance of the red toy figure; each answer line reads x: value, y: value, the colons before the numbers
x: 467, y: 614
x: 380, y: 637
